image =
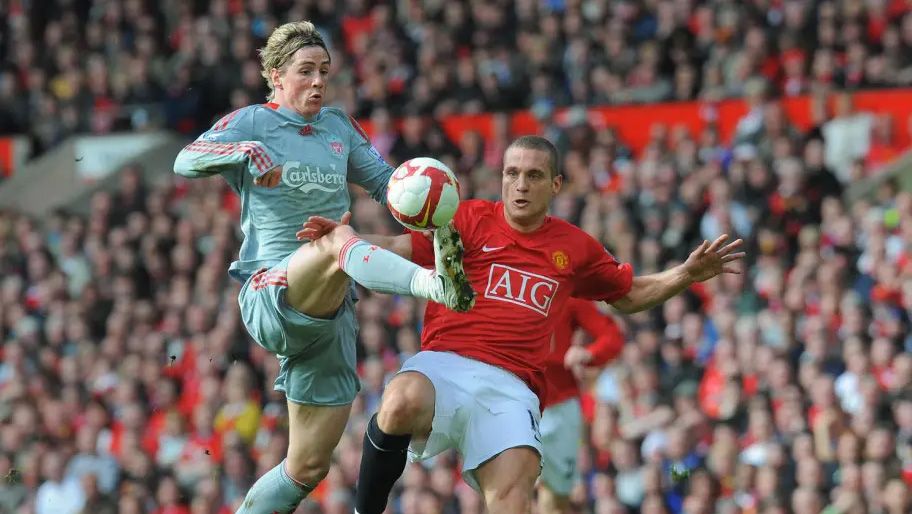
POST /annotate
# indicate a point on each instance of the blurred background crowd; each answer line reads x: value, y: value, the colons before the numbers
x: 70, y: 66
x: 128, y: 385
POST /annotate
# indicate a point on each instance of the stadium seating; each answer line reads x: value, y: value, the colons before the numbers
x: 128, y: 385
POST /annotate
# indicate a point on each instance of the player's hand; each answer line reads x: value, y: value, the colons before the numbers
x: 269, y: 179
x: 711, y: 259
x: 577, y: 356
x: 576, y: 359
x: 317, y: 226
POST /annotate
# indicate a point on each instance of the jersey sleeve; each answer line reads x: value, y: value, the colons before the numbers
x: 599, y: 276
x: 608, y: 338
x: 230, y: 146
x: 366, y: 166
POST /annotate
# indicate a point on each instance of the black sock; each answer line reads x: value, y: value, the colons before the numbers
x: 382, y: 463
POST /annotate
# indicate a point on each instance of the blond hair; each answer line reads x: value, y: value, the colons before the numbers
x: 284, y: 41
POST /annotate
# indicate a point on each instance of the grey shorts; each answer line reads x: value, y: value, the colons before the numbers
x: 479, y: 410
x: 317, y: 356
x: 561, y: 431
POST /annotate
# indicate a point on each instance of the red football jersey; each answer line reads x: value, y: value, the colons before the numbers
x: 522, y: 282
x: 607, y: 344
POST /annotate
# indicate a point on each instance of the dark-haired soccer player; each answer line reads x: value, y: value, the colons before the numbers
x: 476, y: 383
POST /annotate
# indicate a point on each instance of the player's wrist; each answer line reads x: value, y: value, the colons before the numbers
x: 685, y: 274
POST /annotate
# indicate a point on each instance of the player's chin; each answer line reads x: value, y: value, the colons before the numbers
x: 520, y: 215
x: 311, y: 106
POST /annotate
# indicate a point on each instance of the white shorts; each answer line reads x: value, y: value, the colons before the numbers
x: 480, y: 411
x: 561, y: 430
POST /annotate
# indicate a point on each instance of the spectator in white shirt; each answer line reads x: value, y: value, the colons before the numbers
x: 58, y: 495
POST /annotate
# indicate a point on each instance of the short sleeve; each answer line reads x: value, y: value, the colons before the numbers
x: 366, y: 166
x: 233, y: 127
x: 599, y: 276
x: 230, y: 148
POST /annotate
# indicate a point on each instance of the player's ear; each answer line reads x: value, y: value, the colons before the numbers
x: 275, y: 74
x: 556, y: 183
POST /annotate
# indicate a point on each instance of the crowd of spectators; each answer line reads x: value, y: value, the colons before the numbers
x: 97, y: 66
x: 128, y: 385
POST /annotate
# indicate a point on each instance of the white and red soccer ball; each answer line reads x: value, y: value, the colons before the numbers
x: 423, y: 194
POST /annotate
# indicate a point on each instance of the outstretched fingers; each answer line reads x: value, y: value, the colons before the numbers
x: 315, y: 227
x: 714, y: 247
x: 318, y: 226
x: 306, y: 233
x: 730, y: 247
x: 320, y: 221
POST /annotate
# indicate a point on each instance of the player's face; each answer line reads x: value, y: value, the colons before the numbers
x: 301, y: 84
x: 527, y: 187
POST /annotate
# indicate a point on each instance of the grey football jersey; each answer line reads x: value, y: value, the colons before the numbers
x: 318, y: 157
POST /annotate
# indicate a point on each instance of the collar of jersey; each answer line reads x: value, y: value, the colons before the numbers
x: 291, y: 113
x: 529, y: 236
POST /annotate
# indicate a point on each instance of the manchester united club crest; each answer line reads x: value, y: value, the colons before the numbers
x: 336, y: 148
x: 560, y: 260
x: 307, y: 130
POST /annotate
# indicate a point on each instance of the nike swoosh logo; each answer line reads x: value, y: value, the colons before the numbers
x: 487, y: 248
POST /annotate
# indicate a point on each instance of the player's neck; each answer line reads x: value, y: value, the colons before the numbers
x: 285, y: 106
x: 524, y: 228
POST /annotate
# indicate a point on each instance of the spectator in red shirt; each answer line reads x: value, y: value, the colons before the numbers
x: 562, y: 422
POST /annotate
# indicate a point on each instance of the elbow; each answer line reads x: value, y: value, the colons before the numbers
x: 625, y: 305
x: 180, y: 167
x: 184, y: 167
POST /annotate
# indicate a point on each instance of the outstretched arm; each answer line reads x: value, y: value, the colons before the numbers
x: 206, y: 158
x: 648, y: 291
x: 230, y: 147
x: 704, y: 263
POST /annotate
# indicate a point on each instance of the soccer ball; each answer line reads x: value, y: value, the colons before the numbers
x: 423, y: 194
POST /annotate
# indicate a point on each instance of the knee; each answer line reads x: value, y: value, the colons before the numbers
x: 307, y: 469
x: 407, y: 406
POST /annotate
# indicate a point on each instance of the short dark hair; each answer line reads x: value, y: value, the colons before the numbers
x: 543, y: 145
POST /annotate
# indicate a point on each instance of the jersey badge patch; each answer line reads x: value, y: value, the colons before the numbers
x: 560, y: 260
